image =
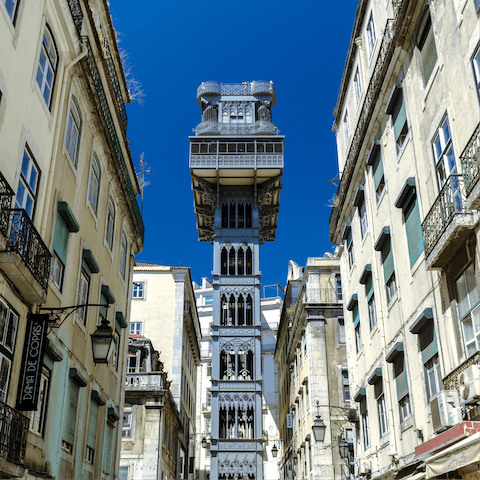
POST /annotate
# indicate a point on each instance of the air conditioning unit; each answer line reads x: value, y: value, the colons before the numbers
x: 469, y: 384
x: 446, y: 411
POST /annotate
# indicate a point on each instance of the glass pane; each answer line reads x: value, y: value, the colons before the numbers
x: 450, y: 161
x: 462, y: 299
x: 467, y: 329
x: 471, y: 286
x: 437, y: 148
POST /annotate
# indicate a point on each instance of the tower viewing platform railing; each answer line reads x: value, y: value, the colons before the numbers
x: 258, y: 87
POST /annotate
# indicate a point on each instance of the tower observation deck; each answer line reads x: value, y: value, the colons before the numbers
x: 236, y: 165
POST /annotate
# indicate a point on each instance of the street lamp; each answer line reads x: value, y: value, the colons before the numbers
x: 319, y: 428
x: 102, y: 342
x: 274, y: 451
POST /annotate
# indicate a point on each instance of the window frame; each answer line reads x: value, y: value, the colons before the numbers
x: 441, y: 157
x: 370, y: 35
x: 110, y: 225
x: 476, y: 65
x: 52, y: 65
x: 38, y: 417
x: 73, y: 131
x: 133, y: 324
x: 138, y: 287
x: 12, y: 13
x: 94, y: 190
x: 357, y: 86
x: 346, y: 129
x: 82, y: 312
x: 425, y: 37
x: 123, y: 255
x: 25, y: 186
x: 127, y: 428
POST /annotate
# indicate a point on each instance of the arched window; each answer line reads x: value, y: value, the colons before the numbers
x: 224, y: 311
x: 94, y: 183
x: 231, y: 262
x: 426, y: 45
x: 224, y: 216
x: 223, y: 365
x: 248, y: 216
x: 240, y: 262
x: 241, y: 216
x: 74, y: 129
x: 231, y: 311
x: 47, y: 65
x: 240, y: 311
x: 249, y: 365
x: 248, y: 261
x: 110, y: 226
x: 233, y: 211
x: 249, y: 311
x: 223, y: 266
x: 123, y: 255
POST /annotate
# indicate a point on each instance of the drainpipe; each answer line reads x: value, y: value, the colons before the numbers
x: 57, y: 133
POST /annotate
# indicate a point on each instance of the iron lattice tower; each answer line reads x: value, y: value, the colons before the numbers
x: 236, y: 164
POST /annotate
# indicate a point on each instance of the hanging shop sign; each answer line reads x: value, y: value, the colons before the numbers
x: 31, y: 372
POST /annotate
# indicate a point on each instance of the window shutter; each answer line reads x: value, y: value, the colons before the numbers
x: 103, y: 301
x: 369, y: 287
x: 387, y: 260
x: 399, y: 116
x: 356, y: 316
x: 68, y: 434
x: 349, y: 239
x: 429, y: 55
x: 428, y: 341
x: 107, y: 454
x: 414, y: 230
x: 92, y: 424
x: 377, y: 170
x: 402, y: 385
x: 60, y: 238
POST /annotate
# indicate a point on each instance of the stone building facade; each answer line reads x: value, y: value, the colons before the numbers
x: 236, y: 165
x: 164, y: 310
x: 69, y: 227
x: 151, y: 421
x: 312, y: 367
x: 407, y: 123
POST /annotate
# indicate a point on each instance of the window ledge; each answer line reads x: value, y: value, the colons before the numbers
x: 406, y: 424
x: 379, y: 201
x: 392, y: 302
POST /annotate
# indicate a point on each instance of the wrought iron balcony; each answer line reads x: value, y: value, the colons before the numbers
x: 77, y: 15
x: 447, y: 223
x: 470, y: 159
x: 147, y: 382
x: 209, y: 127
x: 321, y: 295
x: 213, y: 127
x: 26, y: 242
x: 6, y: 195
x: 13, y: 434
x: 391, y: 34
x: 111, y: 132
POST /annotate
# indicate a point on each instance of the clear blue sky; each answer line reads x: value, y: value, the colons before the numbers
x: 173, y: 47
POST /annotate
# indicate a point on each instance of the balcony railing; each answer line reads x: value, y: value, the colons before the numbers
x: 449, y: 203
x: 6, y: 195
x: 213, y: 127
x: 24, y: 239
x: 382, y: 63
x: 144, y: 381
x: 252, y: 88
x: 111, y: 132
x: 470, y: 159
x: 13, y: 434
x: 77, y: 15
x: 321, y: 295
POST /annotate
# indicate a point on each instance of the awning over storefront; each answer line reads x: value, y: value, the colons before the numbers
x: 463, y: 453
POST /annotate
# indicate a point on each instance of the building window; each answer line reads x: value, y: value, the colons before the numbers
x: 27, y: 184
x: 116, y: 350
x: 209, y: 369
x: 362, y: 216
x: 467, y: 300
x: 91, y: 432
x: 357, y: 87
x: 74, y: 129
x: 476, y: 3
x: 476, y: 65
x: 388, y: 269
x: 107, y: 450
x: 445, y: 159
x: 338, y: 287
x: 12, y: 9
x: 356, y: 324
x: 136, y: 328
x: 413, y: 226
x: 341, y: 330
x: 381, y: 408
x: 209, y: 300
x: 127, y: 424
x: 345, y: 386
x: 371, y: 37
x: 400, y: 374
x: 123, y: 473
x: 350, y: 250
x: 138, y: 290
x: 38, y: 417
x: 426, y: 45
x: 8, y: 335
x: 123, y: 255
x: 378, y: 175
x: 60, y: 250
x: 365, y: 423
x: 70, y: 419
x: 94, y: 183
x: 47, y: 66
x: 110, y: 225
x: 82, y: 296
x: 346, y: 129
x: 399, y: 118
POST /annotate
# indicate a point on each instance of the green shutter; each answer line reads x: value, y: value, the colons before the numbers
x: 103, y: 310
x: 402, y: 385
x: 69, y: 421
x: 387, y: 260
x: 356, y: 316
x: 349, y: 239
x: 428, y: 341
x: 92, y: 424
x: 369, y: 287
x: 86, y: 267
x: 414, y: 229
x: 399, y: 116
x: 60, y: 239
x: 107, y: 453
x: 48, y: 361
x: 429, y: 55
x: 377, y: 170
